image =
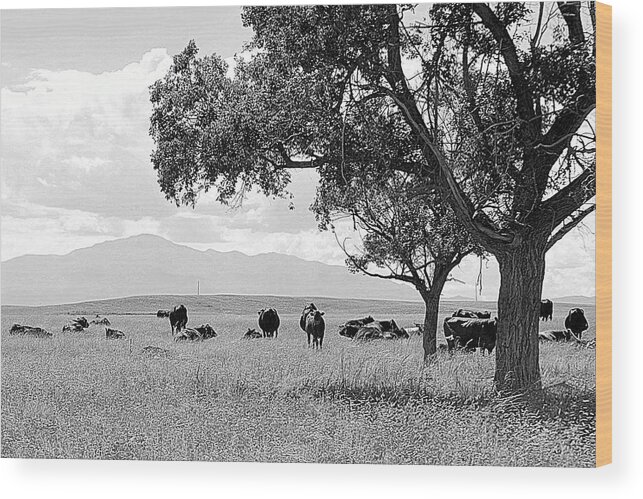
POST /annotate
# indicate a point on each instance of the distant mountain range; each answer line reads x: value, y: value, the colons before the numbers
x: 147, y: 264
x: 576, y: 299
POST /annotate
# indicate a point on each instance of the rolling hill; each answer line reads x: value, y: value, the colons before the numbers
x: 152, y: 265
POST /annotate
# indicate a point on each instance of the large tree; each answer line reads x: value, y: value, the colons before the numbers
x: 498, y: 99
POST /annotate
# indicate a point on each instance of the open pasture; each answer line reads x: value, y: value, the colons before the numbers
x: 78, y: 395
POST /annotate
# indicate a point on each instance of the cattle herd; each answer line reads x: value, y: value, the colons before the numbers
x: 77, y: 325
x: 465, y: 330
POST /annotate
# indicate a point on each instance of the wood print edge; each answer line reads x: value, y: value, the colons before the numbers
x: 604, y: 234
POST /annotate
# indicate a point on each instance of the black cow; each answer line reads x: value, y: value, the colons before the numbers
x: 469, y: 334
x: 77, y: 325
x: 37, y: 332
x: 315, y: 327
x: 206, y: 331
x: 417, y: 330
x: 387, y: 330
x: 472, y: 314
x: 576, y: 322
x: 302, y: 320
x: 269, y: 322
x: 163, y: 313
x: 546, y: 309
x: 555, y: 335
x: 349, y: 329
x: 114, y: 334
x: 104, y: 321
x: 178, y: 318
x: 200, y: 333
x: 252, y: 334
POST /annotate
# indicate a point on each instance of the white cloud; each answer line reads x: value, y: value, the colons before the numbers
x: 71, y: 122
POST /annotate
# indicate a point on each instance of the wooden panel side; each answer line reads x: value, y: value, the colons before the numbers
x: 604, y: 234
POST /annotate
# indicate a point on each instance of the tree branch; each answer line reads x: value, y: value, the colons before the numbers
x: 569, y: 226
x: 571, y: 15
x: 524, y: 97
x: 554, y: 210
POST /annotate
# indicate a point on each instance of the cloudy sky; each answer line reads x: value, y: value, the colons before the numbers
x: 75, y: 148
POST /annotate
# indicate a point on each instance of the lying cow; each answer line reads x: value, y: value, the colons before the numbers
x: 558, y: 335
x: 188, y: 334
x: 546, y: 309
x: 469, y: 334
x: 315, y: 328
x: 386, y: 330
x: 576, y: 322
x: 269, y: 322
x: 77, y: 325
x: 472, y: 314
x: 203, y: 332
x: 418, y: 330
x: 206, y: 331
x: 252, y: 334
x: 114, y: 334
x: 36, y: 332
x: 104, y: 321
x: 349, y: 329
x: 178, y: 318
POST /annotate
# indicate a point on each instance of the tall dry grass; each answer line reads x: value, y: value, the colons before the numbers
x: 229, y: 399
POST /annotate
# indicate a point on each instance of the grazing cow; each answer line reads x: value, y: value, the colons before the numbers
x: 114, y: 334
x: 315, y: 327
x: 469, y: 334
x: 565, y: 335
x: 546, y: 309
x: 386, y: 330
x: 269, y: 322
x: 302, y: 320
x: 77, y: 325
x: 472, y: 314
x: 576, y: 322
x: 163, y: 313
x: 101, y: 321
x: 252, y: 334
x: 36, y: 332
x: 349, y: 329
x: 178, y: 318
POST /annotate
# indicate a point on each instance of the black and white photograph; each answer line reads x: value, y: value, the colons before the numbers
x: 347, y: 234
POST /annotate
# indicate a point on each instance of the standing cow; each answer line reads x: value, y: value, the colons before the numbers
x: 546, y: 309
x: 178, y: 318
x: 315, y: 327
x: 302, y: 320
x: 269, y: 322
x: 469, y: 334
x: 576, y: 322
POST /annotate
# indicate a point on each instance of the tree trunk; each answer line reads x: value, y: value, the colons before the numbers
x: 429, y: 336
x: 431, y: 299
x: 521, y: 277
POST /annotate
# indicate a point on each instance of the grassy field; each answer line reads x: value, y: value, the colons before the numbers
x: 78, y: 395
